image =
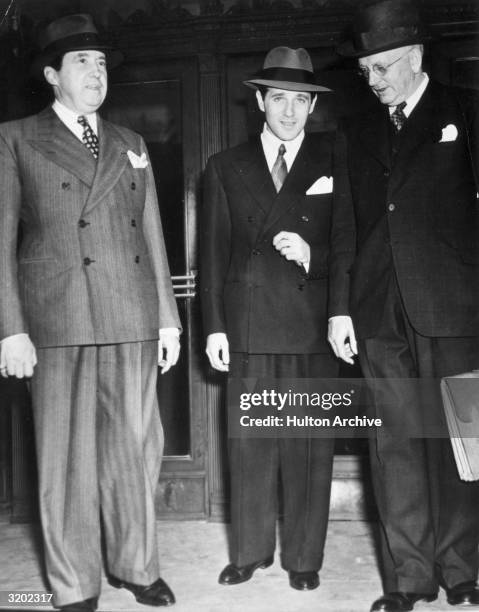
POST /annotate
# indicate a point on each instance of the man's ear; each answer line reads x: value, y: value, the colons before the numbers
x: 313, y: 103
x: 259, y: 99
x: 415, y: 59
x: 50, y: 75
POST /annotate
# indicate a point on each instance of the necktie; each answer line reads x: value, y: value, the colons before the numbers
x: 279, y: 170
x: 398, y: 117
x: 89, y: 138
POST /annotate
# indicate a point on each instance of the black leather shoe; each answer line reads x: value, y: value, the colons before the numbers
x: 156, y: 594
x: 232, y: 574
x: 304, y: 581
x: 87, y: 605
x: 400, y: 602
x: 465, y: 593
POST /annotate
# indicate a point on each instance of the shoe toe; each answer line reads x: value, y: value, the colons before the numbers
x: 304, y: 581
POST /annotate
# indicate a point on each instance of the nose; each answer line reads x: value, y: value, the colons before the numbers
x: 373, y: 78
x: 289, y: 108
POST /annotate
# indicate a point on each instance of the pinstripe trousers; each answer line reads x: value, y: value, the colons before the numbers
x: 99, y: 445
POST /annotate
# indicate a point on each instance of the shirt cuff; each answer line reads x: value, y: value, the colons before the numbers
x: 171, y: 331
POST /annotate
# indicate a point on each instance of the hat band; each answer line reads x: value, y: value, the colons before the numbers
x: 363, y: 41
x: 86, y: 39
x: 291, y: 75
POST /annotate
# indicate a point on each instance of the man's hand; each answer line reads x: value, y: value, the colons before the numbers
x: 17, y: 356
x: 217, y: 349
x: 168, y: 350
x: 292, y: 247
x: 342, y: 338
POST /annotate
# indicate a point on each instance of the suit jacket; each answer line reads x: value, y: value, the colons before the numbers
x: 413, y: 213
x: 90, y: 267
x: 263, y: 302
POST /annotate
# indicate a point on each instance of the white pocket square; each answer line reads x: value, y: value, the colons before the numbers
x: 322, y: 185
x: 137, y: 161
x: 449, y: 133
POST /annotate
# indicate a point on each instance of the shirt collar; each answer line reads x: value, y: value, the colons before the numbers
x: 271, y: 144
x: 70, y: 118
x: 414, y: 98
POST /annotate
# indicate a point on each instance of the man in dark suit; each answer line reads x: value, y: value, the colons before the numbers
x: 87, y: 293
x: 404, y: 280
x: 264, y: 252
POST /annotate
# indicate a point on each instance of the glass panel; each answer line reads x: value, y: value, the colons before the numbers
x: 153, y: 109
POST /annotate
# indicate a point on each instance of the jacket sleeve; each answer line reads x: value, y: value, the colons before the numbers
x: 215, y: 245
x: 343, y: 233
x: 12, y: 320
x: 153, y: 232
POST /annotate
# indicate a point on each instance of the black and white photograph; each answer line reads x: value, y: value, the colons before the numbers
x: 239, y: 305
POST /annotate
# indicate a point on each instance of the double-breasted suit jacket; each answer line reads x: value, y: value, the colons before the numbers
x: 416, y: 212
x: 263, y: 302
x: 90, y: 268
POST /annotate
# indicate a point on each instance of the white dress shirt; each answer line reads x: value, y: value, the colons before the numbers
x: 70, y: 119
x: 414, y: 98
x: 271, y: 144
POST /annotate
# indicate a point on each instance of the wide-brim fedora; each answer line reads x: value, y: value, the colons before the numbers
x: 71, y: 33
x: 383, y: 25
x: 286, y: 68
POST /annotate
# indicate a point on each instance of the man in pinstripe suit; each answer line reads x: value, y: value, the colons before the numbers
x: 85, y: 294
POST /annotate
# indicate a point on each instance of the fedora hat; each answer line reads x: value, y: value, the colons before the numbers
x: 71, y: 33
x: 384, y: 25
x: 286, y: 68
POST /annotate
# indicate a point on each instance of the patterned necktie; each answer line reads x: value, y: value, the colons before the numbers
x: 279, y: 170
x: 398, y: 118
x: 89, y: 138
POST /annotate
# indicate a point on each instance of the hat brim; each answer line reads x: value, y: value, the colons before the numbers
x: 288, y: 85
x: 347, y: 49
x: 114, y: 57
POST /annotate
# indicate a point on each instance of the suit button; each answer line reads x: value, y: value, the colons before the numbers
x: 137, y: 259
x: 391, y: 207
x: 133, y: 186
x: 250, y: 219
x: 133, y: 223
x: 305, y: 219
x: 301, y: 286
x: 82, y: 223
x: 87, y: 261
x: 386, y: 173
x: 66, y: 186
x: 256, y: 252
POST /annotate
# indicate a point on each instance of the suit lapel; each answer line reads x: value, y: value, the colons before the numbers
x: 251, y: 165
x: 421, y: 125
x: 374, y: 134
x: 58, y: 144
x: 305, y: 170
x: 112, y: 160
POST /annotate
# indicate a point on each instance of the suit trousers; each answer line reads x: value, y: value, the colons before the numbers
x: 302, y: 465
x: 99, y: 446
x: 429, y: 526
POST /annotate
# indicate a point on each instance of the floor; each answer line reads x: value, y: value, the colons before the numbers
x: 192, y: 555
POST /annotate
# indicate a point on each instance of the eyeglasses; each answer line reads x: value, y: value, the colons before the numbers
x: 379, y: 69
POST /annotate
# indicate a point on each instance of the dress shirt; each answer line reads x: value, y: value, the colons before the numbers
x: 70, y: 119
x: 271, y: 144
x: 414, y: 98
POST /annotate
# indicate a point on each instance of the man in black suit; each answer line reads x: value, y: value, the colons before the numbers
x: 264, y: 252
x: 404, y: 279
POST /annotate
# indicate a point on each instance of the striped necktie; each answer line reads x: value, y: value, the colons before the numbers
x: 279, y: 170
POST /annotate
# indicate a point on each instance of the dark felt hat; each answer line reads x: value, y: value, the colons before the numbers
x: 71, y: 33
x: 286, y: 68
x: 384, y: 25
